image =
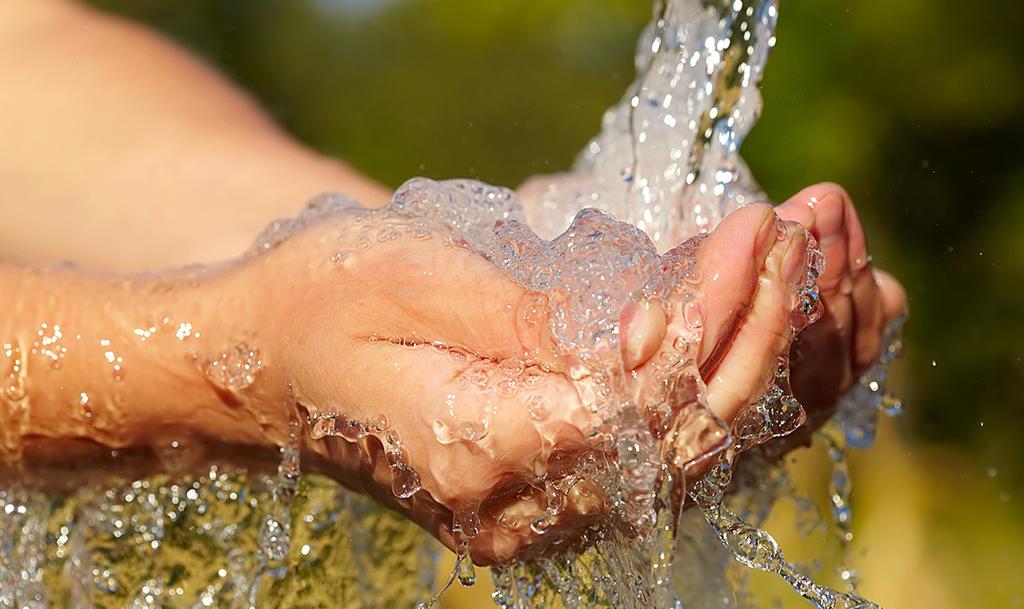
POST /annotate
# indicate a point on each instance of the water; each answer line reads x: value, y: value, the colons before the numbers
x: 220, y: 538
x: 621, y: 228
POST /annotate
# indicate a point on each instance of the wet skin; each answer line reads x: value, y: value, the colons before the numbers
x: 233, y: 172
x: 749, y: 272
x: 319, y: 340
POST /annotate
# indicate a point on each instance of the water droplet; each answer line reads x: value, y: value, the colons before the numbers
x: 472, y: 430
x: 323, y: 426
x: 538, y: 408
x: 404, y: 481
x: 541, y: 524
x: 235, y: 369
x: 466, y: 572
x: 14, y: 381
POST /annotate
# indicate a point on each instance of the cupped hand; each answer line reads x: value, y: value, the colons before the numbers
x: 428, y: 370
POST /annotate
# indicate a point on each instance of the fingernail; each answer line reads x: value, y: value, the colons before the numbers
x: 766, y: 232
x: 793, y: 263
x: 830, y: 225
x: 642, y: 331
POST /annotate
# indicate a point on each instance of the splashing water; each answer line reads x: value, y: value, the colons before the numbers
x: 667, y: 158
x: 622, y: 228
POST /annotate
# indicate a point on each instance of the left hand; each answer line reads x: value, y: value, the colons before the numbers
x: 859, y: 301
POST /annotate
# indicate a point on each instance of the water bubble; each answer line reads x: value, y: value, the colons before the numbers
x: 388, y: 233
x: 892, y: 405
x: 85, y: 407
x: 693, y: 315
x: 507, y: 388
x: 235, y: 369
x: 184, y: 331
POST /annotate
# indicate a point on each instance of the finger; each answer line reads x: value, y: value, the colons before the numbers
x: 765, y: 333
x: 869, y: 319
x: 701, y: 328
x: 847, y: 288
x: 728, y: 262
x: 469, y: 424
x: 844, y: 244
x: 643, y: 327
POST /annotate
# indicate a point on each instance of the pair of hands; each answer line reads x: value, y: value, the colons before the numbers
x: 221, y: 148
x: 413, y: 332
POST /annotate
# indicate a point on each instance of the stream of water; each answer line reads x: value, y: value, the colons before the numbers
x: 622, y: 227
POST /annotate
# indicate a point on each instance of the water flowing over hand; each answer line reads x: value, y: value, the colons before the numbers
x: 432, y: 381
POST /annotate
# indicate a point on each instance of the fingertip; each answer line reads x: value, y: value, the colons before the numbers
x: 796, y: 210
x: 766, y: 231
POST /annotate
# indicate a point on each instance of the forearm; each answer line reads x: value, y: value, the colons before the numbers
x: 113, y: 136
x: 133, y: 364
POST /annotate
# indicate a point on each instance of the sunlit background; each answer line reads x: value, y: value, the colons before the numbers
x: 913, y: 105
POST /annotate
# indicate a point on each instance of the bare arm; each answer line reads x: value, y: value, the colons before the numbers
x: 121, y: 152
x: 91, y: 363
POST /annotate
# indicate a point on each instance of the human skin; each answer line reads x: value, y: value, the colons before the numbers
x: 225, y: 171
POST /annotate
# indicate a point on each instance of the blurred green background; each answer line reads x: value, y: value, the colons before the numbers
x: 913, y: 105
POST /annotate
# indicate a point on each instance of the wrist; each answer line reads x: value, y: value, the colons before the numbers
x: 141, y: 364
x: 234, y: 360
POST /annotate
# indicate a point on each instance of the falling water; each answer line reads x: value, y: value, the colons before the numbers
x: 622, y: 227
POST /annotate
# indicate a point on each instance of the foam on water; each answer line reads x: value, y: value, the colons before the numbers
x: 620, y: 230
